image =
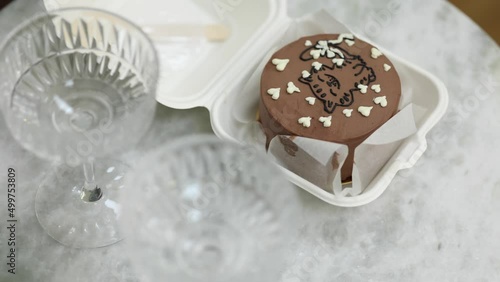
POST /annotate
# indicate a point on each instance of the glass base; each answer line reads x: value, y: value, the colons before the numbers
x: 205, y: 250
x: 72, y: 218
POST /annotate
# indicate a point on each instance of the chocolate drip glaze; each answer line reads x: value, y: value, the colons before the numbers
x: 339, y: 77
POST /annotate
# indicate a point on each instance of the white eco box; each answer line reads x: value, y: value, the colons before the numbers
x: 211, y: 74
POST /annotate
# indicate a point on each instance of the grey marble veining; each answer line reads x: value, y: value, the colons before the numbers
x: 436, y: 222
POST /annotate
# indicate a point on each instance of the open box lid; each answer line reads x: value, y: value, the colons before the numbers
x: 194, y: 71
x: 198, y: 73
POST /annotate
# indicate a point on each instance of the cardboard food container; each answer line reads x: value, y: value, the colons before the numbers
x: 223, y: 76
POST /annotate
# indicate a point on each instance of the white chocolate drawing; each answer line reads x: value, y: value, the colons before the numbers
x: 342, y: 37
x: 338, y: 52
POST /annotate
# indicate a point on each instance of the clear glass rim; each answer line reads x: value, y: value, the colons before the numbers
x: 47, y: 14
x: 34, y: 24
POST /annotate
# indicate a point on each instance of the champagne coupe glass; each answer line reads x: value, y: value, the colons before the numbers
x: 206, y: 210
x: 77, y: 85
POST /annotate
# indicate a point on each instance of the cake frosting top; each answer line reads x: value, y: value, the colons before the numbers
x: 332, y: 87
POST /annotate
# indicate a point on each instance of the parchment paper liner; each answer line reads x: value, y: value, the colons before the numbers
x: 313, y: 159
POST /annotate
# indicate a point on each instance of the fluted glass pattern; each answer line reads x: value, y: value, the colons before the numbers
x: 207, y: 210
x: 79, y: 76
x: 78, y: 85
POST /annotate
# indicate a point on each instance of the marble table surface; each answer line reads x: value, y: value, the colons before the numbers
x: 439, y: 221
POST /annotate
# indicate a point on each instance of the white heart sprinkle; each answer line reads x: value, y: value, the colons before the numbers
x: 330, y: 54
x: 382, y: 101
x: 274, y: 92
x: 365, y: 110
x: 317, y: 65
x: 349, y: 42
x: 311, y: 100
x: 280, y: 63
x: 308, y: 43
x: 292, y: 88
x: 342, y: 36
x: 387, y: 67
x: 347, y: 112
x: 305, y: 121
x: 305, y: 74
x: 327, y: 121
x: 376, y: 53
x: 376, y: 88
x: 363, y: 88
x: 338, y: 62
x: 315, y: 53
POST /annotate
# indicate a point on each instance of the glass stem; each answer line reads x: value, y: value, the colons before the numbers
x: 90, y: 191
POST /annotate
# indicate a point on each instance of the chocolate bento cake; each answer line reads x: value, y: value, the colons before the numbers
x: 331, y: 87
